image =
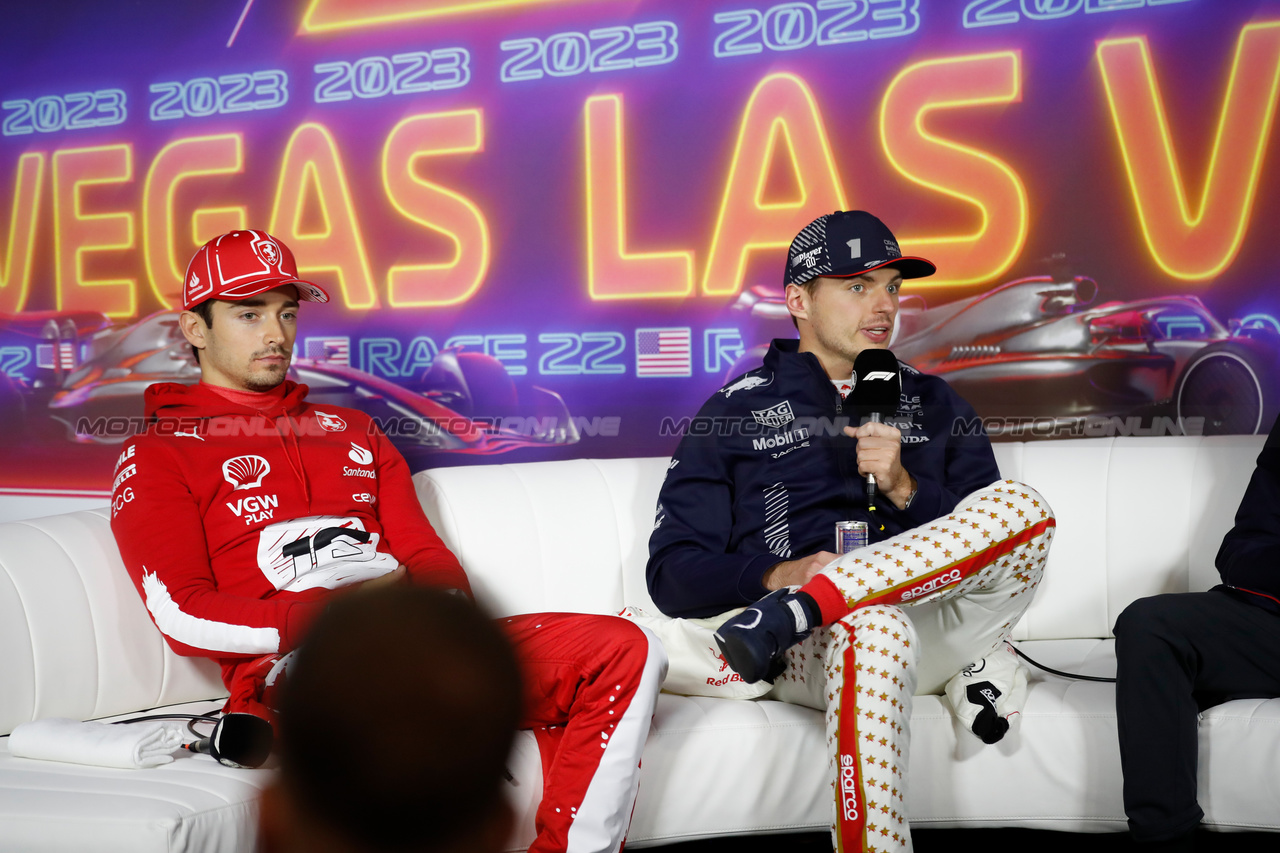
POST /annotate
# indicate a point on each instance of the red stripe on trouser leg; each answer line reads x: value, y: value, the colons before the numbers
x: 851, y: 812
x: 869, y: 680
x: 930, y: 585
x: 597, y: 678
x: 942, y: 556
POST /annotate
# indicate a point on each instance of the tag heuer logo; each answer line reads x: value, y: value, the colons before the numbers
x: 775, y: 416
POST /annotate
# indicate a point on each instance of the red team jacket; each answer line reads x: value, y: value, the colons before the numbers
x: 235, y: 525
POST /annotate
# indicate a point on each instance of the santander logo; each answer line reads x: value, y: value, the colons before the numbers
x: 360, y: 455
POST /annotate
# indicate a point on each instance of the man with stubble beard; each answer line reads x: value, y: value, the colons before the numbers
x: 244, y: 509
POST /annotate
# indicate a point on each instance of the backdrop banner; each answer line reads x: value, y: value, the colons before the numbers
x: 552, y: 228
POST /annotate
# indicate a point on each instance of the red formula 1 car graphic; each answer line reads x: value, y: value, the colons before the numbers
x: 464, y: 402
x: 1036, y: 351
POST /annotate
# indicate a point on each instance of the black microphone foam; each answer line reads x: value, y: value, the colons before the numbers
x: 877, y: 384
x: 238, y: 740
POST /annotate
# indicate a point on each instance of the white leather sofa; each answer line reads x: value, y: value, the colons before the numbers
x: 1136, y: 516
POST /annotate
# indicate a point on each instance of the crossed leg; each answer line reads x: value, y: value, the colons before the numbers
x: 968, y: 578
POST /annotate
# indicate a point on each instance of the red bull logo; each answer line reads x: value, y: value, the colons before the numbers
x: 712, y: 681
x: 732, y: 676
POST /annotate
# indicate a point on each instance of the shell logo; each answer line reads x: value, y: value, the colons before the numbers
x: 245, y: 472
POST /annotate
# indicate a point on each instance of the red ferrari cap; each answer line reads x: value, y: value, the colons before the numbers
x: 241, y: 264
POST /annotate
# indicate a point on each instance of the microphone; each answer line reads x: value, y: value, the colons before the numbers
x: 238, y: 740
x: 877, y: 389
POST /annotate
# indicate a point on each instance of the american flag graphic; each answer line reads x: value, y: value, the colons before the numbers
x: 44, y: 356
x: 664, y: 352
x: 336, y: 350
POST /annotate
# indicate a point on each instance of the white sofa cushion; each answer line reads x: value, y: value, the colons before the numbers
x: 75, y: 636
x: 538, y: 536
x: 1136, y: 516
x: 193, y: 804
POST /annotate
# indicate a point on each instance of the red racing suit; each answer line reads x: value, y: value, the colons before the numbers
x: 236, y: 522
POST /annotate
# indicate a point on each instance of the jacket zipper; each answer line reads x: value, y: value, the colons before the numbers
x: 848, y: 477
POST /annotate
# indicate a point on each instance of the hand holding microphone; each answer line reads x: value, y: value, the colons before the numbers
x: 877, y: 388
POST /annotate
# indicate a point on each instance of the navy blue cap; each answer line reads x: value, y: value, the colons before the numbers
x: 848, y: 243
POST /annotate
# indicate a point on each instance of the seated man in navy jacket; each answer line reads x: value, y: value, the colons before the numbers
x: 746, y: 517
x: 1180, y: 653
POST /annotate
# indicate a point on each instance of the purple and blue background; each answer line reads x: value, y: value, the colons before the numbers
x: 681, y: 121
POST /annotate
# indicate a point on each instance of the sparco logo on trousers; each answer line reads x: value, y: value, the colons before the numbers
x: 245, y: 472
x: 848, y: 787
x: 929, y: 586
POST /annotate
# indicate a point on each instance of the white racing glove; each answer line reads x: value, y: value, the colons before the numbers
x: 986, y: 693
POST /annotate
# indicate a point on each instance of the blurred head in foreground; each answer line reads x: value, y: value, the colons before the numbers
x: 395, y: 725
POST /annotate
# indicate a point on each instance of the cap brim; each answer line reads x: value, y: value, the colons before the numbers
x: 910, y: 267
x: 307, y: 291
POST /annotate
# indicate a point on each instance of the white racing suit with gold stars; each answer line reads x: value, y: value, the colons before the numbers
x: 964, y: 580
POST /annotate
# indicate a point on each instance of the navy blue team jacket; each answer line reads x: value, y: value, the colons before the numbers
x: 764, y: 472
x: 1250, y: 551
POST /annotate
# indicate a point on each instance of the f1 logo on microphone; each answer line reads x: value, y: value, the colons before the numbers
x: 879, y: 374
